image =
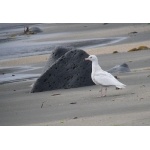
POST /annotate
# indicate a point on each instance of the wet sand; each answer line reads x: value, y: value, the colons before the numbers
x: 83, y: 106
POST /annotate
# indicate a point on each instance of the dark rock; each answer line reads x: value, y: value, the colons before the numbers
x: 35, y: 30
x: 55, y: 55
x: 68, y: 71
x: 120, y: 69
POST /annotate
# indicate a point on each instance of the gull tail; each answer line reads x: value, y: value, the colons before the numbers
x: 121, y: 86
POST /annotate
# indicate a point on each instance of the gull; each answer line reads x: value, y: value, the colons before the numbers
x: 101, y: 77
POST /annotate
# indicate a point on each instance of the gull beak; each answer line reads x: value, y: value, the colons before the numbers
x: 86, y: 58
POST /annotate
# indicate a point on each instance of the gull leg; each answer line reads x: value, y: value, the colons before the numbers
x: 101, y: 90
x: 105, y: 92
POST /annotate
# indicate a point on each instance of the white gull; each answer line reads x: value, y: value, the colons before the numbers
x: 101, y: 77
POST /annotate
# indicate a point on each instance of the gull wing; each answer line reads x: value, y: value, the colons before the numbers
x: 106, y: 79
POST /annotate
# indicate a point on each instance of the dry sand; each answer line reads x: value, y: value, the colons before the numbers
x: 83, y: 106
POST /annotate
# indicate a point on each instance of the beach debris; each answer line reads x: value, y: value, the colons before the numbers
x: 55, y: 94
x: 101, y: 77
x: 132, y: 33
x: 42, y: 104
x: 142, y: 85
x: 73, y: 103
x: 139, y: 48
x: 148, y: 76
x: 26, y: 30
x: 75, y: 118
x: 120, y: 69
x: 114, y: 52
x: 105, y: 23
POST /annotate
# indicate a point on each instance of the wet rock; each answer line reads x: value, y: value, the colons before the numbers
x: 120, y: 69
x: 35, y: 30
x: 68, y: 71
x: 32, y: 30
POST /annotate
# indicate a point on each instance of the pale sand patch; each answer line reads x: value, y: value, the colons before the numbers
x: 24, y: 60
x: 118, y: 47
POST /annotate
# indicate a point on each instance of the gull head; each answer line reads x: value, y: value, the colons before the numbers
x: 91, y: 58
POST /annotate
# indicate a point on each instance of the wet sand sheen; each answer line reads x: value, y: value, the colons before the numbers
x: 21, y: 49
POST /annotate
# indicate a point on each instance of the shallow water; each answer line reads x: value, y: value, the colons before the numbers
x: 15, y: 74
x: 21, y: 48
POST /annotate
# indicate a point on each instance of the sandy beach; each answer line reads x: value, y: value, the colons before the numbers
x: 77, y: 106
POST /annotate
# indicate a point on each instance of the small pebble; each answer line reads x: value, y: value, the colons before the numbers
x: 73, y: 103
x: 55, y: 94
x: 75, y: 118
